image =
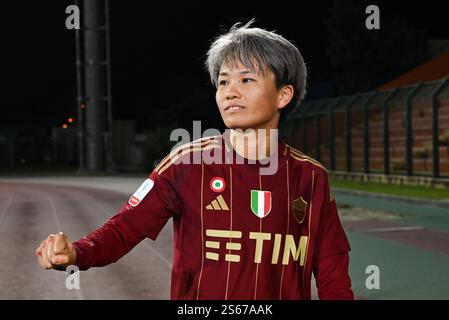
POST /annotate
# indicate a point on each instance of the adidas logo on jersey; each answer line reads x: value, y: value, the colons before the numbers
x: 218, y: 204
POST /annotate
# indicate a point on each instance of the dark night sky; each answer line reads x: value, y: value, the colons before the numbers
x: 157, y: 51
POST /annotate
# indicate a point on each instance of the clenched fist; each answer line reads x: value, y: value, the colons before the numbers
x: 56, y: 252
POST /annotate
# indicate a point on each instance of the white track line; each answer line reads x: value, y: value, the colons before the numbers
x: 58, y: 226
x: 5, y: 209
x: 156, y: 253
x: 392, y: 229
x: 53, y: 212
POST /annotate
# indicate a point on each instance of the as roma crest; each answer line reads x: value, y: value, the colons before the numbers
x: 299, y: 207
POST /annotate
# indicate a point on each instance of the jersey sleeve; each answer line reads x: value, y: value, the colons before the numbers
x: 331, y: 261
x: 143, y: 215
x: 331, y: 237
x: 332, y: 279
x: 149, y: 212
x: 107, y: 244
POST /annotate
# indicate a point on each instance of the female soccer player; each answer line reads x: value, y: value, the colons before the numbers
x: 252, y: 216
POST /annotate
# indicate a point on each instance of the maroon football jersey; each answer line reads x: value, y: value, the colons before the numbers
x: 239, y: 234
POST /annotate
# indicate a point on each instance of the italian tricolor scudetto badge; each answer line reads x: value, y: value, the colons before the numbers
x: 260, y: 203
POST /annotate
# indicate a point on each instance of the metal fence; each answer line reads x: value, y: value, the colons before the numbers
x: 379, y: 122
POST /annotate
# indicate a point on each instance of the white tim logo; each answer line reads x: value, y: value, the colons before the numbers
x: 373, y: 20
x: 73, y: 278
x: 373, y: 280
x: 73, y: 20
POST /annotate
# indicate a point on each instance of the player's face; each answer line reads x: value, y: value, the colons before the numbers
x: 248, y: 99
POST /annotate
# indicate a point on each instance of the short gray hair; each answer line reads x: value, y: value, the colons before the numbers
x: 267, y: 50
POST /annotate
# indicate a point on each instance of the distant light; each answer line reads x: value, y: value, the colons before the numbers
x: 70, y: 120
x: 83, y: 106
x: 65, y: 126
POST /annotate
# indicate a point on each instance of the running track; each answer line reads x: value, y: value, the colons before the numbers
x: 412, y: 254
x: 29, y: 212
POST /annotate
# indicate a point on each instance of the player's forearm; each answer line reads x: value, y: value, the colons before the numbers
x: 332, y: 277
x: 107, y: 244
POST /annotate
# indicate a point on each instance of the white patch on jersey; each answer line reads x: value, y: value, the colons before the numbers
x: 138, y: 196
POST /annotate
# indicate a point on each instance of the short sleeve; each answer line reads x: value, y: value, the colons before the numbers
x: 153, y: 204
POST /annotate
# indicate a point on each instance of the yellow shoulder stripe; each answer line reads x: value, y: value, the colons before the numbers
x: 167, y: 164
x: 181, y: 148
x: 297, y: 155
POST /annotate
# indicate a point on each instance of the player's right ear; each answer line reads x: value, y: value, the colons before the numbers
x: 285, y: 95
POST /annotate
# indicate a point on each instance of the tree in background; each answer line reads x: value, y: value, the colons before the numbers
x: 364, y: 59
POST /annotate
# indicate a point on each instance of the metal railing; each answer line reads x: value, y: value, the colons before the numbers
x: 355, y: 114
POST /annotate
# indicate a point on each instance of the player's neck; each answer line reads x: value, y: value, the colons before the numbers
x: 254, y: 144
